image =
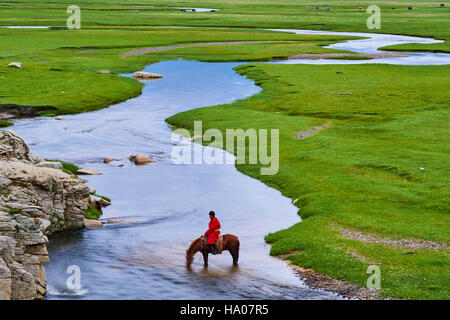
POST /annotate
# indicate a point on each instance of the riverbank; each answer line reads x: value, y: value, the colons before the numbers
x: 339, y: 287
x: 377, y: 169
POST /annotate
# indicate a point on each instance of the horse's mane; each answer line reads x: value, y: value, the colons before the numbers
x: 193, y: 244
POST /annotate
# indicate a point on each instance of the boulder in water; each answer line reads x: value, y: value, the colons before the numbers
x: 92, y: 224
x: 113, y: 220
x: 88, y: 171
x: 146, y: 75
x: 140, y: 159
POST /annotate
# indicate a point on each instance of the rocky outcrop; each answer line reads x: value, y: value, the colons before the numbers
x: 36, y: 200
x: 92, y: 224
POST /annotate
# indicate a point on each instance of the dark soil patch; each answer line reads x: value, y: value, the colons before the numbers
x: 17, y: 111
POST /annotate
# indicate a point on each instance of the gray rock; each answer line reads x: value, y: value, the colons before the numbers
x: 146, y: 75
x: 5, y: 281
x: 98, y: 202
x: 7, y: 248
x: 6, y: 223
x: 16, y: 65
x: 50, y: 164
x: 40, y: 199
x: 4, y: 182
x: 35, y: 158
x: 30, y: 258
x: 23, y: 283
x: 44, y: 225
x: 12, y: 146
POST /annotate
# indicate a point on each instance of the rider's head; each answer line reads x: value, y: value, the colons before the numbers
x: 212, y: 214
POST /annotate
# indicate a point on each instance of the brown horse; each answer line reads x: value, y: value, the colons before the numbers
x: 230, y: 243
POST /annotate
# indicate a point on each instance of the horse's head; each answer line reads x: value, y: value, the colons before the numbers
x: 195, y: 246
x: 189, y: 258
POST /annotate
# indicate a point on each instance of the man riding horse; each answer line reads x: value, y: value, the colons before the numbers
x: 213, y: 232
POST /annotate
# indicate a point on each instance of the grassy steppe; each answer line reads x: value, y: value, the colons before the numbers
x: 363, y: 173
x: 426, y: 18
x: 63, y: 68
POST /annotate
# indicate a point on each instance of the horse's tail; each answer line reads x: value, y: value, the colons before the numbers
x: 233, y: 245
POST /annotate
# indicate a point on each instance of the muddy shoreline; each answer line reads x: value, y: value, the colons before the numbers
x: 316, y: 280
x: 11, y: 111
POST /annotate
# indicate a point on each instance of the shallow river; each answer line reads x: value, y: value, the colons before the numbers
x: 169, y: 203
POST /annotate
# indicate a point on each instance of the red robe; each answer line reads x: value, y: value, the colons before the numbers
x: 213, y: 232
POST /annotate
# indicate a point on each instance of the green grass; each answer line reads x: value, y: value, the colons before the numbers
x: 252, y: 52
x: 69, y: 168
x: 427, y: 18
x: 92, y: 213
x: 103, y: 197
x: 61, y: 67
x: 70, y: 81
x: 4, y: 123
x: 363, y: 173
x: 13, y: 211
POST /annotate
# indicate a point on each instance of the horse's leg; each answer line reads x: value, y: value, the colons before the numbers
x: 235, y: 254
x: 205, y: 257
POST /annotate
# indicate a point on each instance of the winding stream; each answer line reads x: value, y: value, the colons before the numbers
x: 371, y: 45
x: 169, y: 203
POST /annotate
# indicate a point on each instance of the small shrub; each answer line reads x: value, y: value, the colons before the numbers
x: 4, y: 124
x: 92, y: 213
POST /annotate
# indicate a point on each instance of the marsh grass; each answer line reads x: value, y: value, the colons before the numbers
x: 362, y: 173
